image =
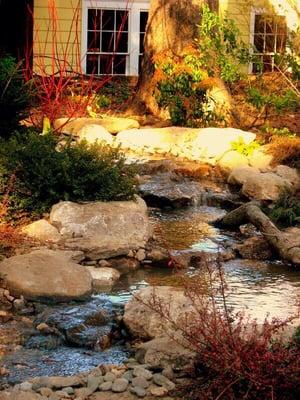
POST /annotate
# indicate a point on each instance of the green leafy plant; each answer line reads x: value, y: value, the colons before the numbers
x: 281, y: 132
x: 222, y: 52
x: 288, y: 100
x: 14, y: 94
x: 286, y: 210
x: 44, y: 175
x: 181, y: 87
x: 243, y: 148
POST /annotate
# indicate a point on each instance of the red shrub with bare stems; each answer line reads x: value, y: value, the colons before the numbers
x: 237, y: 358
x: 60, y: 87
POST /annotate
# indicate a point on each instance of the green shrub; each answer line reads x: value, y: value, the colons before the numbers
x: 243, y: 148
x: 286, y: 210
x: 14, y: 94
x: 288, y: 100
x: 181, y: 88
x: 45, y: 175
x: 222, y: 52
x: 270, y: 131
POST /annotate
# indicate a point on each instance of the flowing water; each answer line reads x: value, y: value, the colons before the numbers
x: 262, y: 287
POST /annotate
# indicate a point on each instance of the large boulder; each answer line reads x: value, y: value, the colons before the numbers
x: 144, y: 322
x: 93, y: 133
x: 46, y: 274
x: 193, y: 144
x: 102, y: 229
x: 113, y: 125
x: 267, y: 186
x: 214, y: 142
x: 239, y: 175
x: 42, y: 230
x: 260, y: 159
x: 233, y: 159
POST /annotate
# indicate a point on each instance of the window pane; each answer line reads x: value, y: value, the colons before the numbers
x: 281, y: 26
x: 92, y: 62
x: 106, y: 64
x: 93, y: 41
x: 270, y: 44
x: 108, y: 20
x: 107, y: 45
x: 121, y: 20
x: 259, y: 43
x: 121, y: 42
x: 259, y: 26
x: 280, y: 44
x: 119, y: 67
x: 93, y: 20
x: 143, y: 20
x: 142, y: 37
x: 267, y: 63
x: 270, y: 24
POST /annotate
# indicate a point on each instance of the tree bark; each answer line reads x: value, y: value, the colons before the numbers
x: 283, y: 243
x: 172, y: 27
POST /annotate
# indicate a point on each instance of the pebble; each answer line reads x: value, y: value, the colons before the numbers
x: 93, y: 382
x: 159, y: 391
x: 140, y: 392
x: 26, y: 386
x: 141, y: 382
x: 104, y: 263
x: 119, y: 385
x: 140, y: 255
x: 68, y: 390
x: 106, y: 386
x: 128, y: 375
x: 141, y: 371
x: 168, y: 372
x: 19, y: 303
x: 161, y: 380
x: 109, y: 377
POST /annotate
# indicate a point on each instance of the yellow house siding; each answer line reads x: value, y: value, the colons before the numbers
x: 57, y: 38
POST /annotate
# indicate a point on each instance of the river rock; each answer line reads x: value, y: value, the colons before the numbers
x: 255, y: 248
x: 93, y: 133
x: 125, y: 264
x: 163, y: 191
x: 42, y: 230
x: 290, y: 174
x: 102, y: 229
x: 144, y: 322
x: 232, y: 159
x: 159, y: 391
x: 113, y: 125
x: 103, y: 277
x: 239, y: 175
x: 163, y: 352
x: 88, y: 325
x: 161, y: 380
x: 265, y: 186
x: 46, y: 274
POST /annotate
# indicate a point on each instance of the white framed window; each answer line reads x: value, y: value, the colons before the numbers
x: 112, y: 36
x: 268, y: 37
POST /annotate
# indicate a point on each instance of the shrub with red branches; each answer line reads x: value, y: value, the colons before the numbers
x: 237, y: 358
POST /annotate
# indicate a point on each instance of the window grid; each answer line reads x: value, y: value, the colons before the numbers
x: 143, y: 24
x: 104, y: 56
x: 270, y: 34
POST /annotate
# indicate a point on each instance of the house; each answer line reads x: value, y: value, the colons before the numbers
x: 106, y: 36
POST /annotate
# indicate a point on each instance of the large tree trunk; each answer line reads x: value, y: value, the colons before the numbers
x: 283, y: 243
x: 172, y: 27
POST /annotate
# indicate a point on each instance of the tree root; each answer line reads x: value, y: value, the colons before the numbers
x: 280, y: 241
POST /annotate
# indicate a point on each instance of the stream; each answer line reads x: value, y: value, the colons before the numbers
x: 261, y: 287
